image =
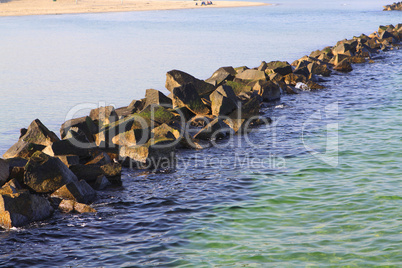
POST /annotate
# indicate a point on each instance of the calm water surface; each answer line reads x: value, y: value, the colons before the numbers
x: 258, y: 200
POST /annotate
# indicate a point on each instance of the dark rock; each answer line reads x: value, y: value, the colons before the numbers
x: 319, y: 69
x: 187, y: 96
x: 99, y: 158
x: 217, y: 129
x: 19, y: 209
x: 238, y: 87
x: 136, y: 106
x: 237, y: 125
x: 4, y: 171
x: 223, y: 100
x: 69, y: 147
x: 343, y: 48
x: 90, y: 173
x: 77, y: 191
x: 281, y: 67
x: 104, y: 115
x: 338, y: 58
x: 101, y: 183
x: 22, y: 149
x: 153, y: 155
x: 268, y: 90
x: 344, y: 66
x: 177, y: 78
x: 69, y: 160
x: 82, y: 125
x: 252, y: 75
x: 221, y: 75
x: 45, y: 174
x: 155, y: 97
x: 293, y: 79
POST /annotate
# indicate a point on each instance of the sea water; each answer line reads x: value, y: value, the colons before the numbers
x: 320, y: 187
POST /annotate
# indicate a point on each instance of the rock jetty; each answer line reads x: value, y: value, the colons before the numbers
x: 394, y: 6
x: 43, y: 172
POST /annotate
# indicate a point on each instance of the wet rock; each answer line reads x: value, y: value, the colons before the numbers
x: 187, y: 96
x: 45, y: 174
x: 221, y: 75
x: 101, y: 183
x: 252, y: 75
x: 104, y: 115
x: 76, y: 191
x: 156, y: 97
x: 71, y: 206
x: 90, y: 173
x: 223, y: 101
x: 21, y: 208
x: 248, y: 109
x: 4, y: 171
x: 237, y: 125
x: 177, y: 78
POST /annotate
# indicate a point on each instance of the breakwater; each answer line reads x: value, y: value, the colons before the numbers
x: 146, y: 133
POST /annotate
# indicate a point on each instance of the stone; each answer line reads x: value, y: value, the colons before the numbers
x: 104, y: 115
x: 217, y: 129
x: 252, y: 75
x: 156, y: 154
x: 342, y: 48
x: 344, y: 66
x: 281, y: 67
x: 223, y: 101
x: 69, y: 147
x: 200, y: 121
x: 338, y: 58
x: 166, y: 132
x: 99, y: 158
x: 90, y: 173
x: 187, y: 96
x: 136, y: 106
x: 83, y: 208
x: 84, y: 125
x: 69, y: 160
x: 156, y: 97
x: 293, y: 79
x: 66, y: 206
x: 38, y: 133
x: 268, y: 90
x: 4, y: 171
x: 221, y: 75
x: 45, y: 174
x: 248, y: 109
x: 176, y: 78
x: 21, y: 208
x: 238, y: 87
x: 238, y: 125
x: 357, y: 59
x: 22, y: 149
x: 69, y: 206
x: 76, y: 191
x: 319, y: 69
x: 101, y: 183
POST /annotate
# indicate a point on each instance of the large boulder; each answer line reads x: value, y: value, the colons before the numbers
x: 343, y: 48
x: 83, y: 125
x: 156, y: 97
x: 156, y: 154
x: 104, y: 115
x: 248, y: 109
x: 78, y: 191
x: 90, y: 173
x: 176, y: 78
x: 4, y: 171
x: 38, y: 133
x: 221, y: 75
x: 45, y: 174
x: 22, y: 149
x: 223, y: 101
x: 280, y: 67
x: 319, y: 69
x: 239, y: 86
x: 71, y: 206
x: 69, y: 147
x: 268, y: 90
x: 344, y: 66
x: 187, y: 96
x: 252, y: 75
x: 19, y: 209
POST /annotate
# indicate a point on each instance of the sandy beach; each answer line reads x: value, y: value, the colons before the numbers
x: 48, y: 7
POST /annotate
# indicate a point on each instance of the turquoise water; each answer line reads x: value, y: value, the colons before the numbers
x: 259, y: 200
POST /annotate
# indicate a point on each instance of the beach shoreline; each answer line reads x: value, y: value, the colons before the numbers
x: 58, y: 7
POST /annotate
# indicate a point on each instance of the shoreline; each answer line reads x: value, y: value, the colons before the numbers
x: 58, y: 7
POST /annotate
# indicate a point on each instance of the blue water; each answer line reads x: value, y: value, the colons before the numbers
x: 258, y: 200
